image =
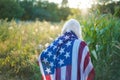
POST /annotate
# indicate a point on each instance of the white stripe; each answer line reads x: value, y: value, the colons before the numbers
x: 52, y: 76
x: 41, y: 67
x: 75, y: 59
x: 63, y: 73
x: 88, y: 69
x: 85, y: 51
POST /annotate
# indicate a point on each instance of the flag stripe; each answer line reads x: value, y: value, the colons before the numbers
x: 84, y: 54
x: 68, y: 72
x: 81, y: 48
x: 74, y: 59
x: 63, y: 73
x: 58, y: 74
x: 48, y: 77
x: 86, y: 61
x: 88, y: 69
x: 41, y: 68
x: 91, y: 75
x: 52, y: 76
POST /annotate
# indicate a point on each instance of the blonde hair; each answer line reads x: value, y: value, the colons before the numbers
x: 72, y: 25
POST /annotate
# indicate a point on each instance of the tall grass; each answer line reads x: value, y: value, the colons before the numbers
x: 21, y: 43
x: 102, y: 33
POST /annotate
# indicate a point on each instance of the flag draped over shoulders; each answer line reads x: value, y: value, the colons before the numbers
x: 66, y: 58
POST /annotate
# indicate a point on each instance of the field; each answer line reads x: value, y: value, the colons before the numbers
x: 20, y: 45
x: 22, y: 42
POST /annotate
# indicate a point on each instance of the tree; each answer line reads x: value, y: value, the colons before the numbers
x: 103, y: 1
x: 64, y: 12
x: 10, y: 9
x: 64, y: 3
x: 27, y: 5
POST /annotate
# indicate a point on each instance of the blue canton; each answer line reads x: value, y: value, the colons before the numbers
x: 58, y: 53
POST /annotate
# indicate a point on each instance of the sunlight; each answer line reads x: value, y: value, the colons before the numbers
x: 85, y: 4
x: 82, y: 4
x: 73, y: 3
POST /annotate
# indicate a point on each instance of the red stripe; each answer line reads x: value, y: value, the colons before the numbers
x: 58, y: 74
x: 91, y: 75
x: 81, y: 47
x: 47, y: 77
x: 87, y: 58
x: 68, y: 72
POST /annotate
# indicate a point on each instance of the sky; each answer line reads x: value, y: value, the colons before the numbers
x: 76, y: 3
x: 82, y: 4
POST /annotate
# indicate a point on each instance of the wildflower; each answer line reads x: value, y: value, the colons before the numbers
x: 40, y: 46
x: 52, y: 28
x: 50, y: 38
x: 47, y: 44
x: 36, y: 30
x: 10, y: 28
x: 23, y: 32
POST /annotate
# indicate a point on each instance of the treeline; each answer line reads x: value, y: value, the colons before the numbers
x: 112, y: 7
x: 32, y: 9
x: 44, y: 10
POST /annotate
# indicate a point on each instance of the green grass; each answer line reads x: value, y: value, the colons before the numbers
x: 22, y: 42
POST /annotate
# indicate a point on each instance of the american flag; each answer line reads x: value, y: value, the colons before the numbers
x: 66, y: 58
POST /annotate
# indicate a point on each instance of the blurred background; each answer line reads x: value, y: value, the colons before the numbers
x: 29, y: 26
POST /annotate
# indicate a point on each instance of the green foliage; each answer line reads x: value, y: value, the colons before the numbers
x: 117, y: 11
x: 66, y: 11
x: 75, y: 13
x: 108, y: 8
x: 101, y: 32
x: 10, y: 9
x: 28, y: 9
x: 64, y: 3
x: 32, y: 10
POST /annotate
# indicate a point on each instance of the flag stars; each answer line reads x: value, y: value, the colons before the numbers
x: 67, y: 55
x: 68, y: 43
x: 54, y: 47
x: 61, y: 50
x: 49, y: 54
x: 60, y: 41
x: 45, y: 60
x: 54, y: 57
x: 61, y: 62
x: 72, y: 35
x: 48, y: 70
x: 66, y: 37
x: 51, y: 64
